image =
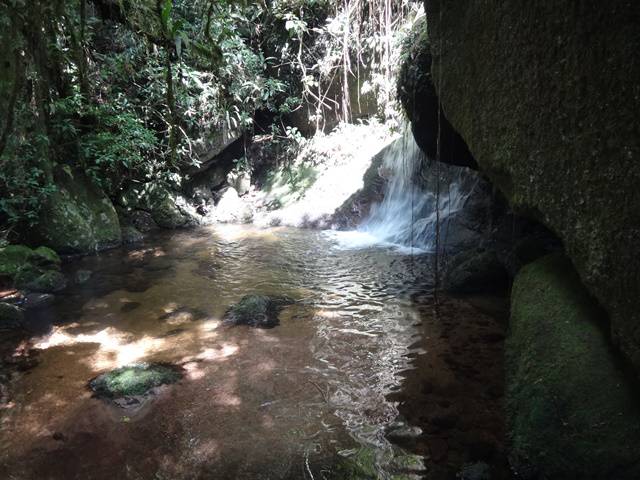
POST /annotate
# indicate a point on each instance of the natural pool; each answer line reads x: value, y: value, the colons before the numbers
x: 328, y: 393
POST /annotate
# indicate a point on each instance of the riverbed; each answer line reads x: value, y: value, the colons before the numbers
x: 334, y: 390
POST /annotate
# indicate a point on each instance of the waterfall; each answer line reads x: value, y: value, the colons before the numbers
x: 406, y: 218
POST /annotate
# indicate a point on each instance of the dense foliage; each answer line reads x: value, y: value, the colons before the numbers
x: 129, y: 92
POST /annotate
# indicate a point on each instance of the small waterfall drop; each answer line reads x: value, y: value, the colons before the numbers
x: 406, y: 218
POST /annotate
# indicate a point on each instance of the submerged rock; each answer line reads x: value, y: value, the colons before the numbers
x: 571, y: 410
x: 475, y: 471
x: 258, y: 311
x: 128, y: 385
x: 82, y: 276
x: 369, y: 463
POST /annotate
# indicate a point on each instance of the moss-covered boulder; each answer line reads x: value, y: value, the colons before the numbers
x: 572, y: 413
x: 45, y: 257
x: 78, y: 218
x: 37, y: 280
x: 36, y: 270
x: 548, y: 104
x: 133, y: 380
x: 158, y: 201
x: 258, y: 311
x: 13, y: 258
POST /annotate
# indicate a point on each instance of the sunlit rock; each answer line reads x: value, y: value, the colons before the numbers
x: 232, y: 209
x: 129, y: 386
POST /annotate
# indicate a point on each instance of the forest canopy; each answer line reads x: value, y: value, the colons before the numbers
x: 128, y: 91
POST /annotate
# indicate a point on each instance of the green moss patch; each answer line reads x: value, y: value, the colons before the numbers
x: 572, y: 411
x: 12, y: 258
x: 134, y: 380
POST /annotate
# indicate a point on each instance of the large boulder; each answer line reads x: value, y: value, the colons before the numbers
x: 547, y: 103
x: 571, y: 411
x: 78, y: 218
x: 158, y: 201
x: 432, y: 131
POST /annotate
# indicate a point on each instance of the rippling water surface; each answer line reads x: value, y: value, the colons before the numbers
x: 288, y: 402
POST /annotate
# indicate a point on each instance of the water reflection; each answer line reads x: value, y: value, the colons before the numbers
x: 280, y: 403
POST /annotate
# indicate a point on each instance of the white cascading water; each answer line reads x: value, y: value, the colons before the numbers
x: 407, y: 216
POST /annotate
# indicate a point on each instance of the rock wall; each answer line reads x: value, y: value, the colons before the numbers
x: 546, y: 95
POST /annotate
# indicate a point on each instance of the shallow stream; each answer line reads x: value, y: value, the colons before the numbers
x: 318, y: 396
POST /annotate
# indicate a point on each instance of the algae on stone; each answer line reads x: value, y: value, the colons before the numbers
x: 259, y: 311
x: 78, y: 218
x: 13, y: 258
x: 133, y: 380
x: 572, y: 412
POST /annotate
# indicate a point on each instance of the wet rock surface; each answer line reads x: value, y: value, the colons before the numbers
x: 132, y: 385
x: 259, y: 311
x: 573, y: 164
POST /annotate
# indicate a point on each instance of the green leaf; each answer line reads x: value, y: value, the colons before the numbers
x: 166, y: 15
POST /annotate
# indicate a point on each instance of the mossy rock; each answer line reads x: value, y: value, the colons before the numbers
x: 34, y: 279
x: 13, y: 258
x: 369, y: 463
x: 159, y: 201
x: 46, y: 257
x: 134, y: 380
x: 363, y: 465
x: 258, y: 311
x: 572, y: 411
x: 78, y: 218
